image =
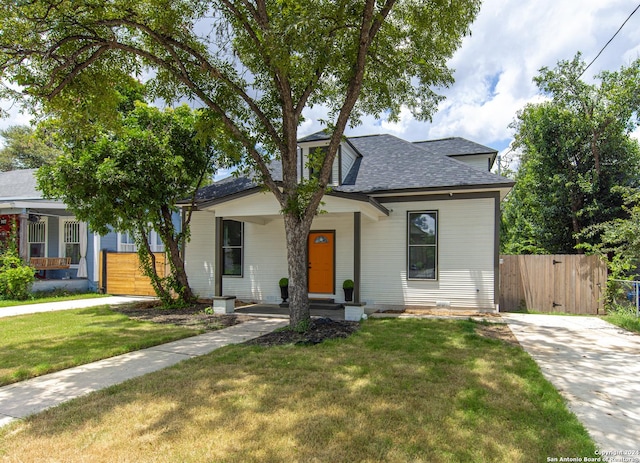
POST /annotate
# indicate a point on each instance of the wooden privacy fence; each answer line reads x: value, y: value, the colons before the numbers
x: 121, y: 274
x: 572, y: 284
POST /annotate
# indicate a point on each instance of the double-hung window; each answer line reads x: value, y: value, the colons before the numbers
x: 71, y: 240
x: 127, y: 243
x: 232, y: 244
x: 422, y: 244
x: 37, y: 237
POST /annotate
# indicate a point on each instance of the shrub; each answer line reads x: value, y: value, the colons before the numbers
x: 15, y: 277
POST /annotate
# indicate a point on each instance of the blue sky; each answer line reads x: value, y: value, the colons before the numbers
x: 510, y: 41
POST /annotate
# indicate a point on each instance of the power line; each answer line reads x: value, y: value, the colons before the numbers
x: 607, y: 44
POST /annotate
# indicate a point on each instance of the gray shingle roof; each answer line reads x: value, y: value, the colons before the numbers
x: 388, y: 164
x: 454, y: 146
x: 19, y: 184
x: 318, y: 136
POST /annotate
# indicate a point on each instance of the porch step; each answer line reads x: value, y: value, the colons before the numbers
x: 320, y: 304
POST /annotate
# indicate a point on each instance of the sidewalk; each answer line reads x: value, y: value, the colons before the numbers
x: 22, y: 399
x: 67, y: 305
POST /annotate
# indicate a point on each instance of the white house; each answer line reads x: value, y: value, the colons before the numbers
x: 413, y: 224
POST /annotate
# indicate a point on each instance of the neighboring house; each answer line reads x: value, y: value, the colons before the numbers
x: 63, y: 248
x: 413, y: 224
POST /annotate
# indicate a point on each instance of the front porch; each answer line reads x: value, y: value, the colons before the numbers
x: 66, y: 284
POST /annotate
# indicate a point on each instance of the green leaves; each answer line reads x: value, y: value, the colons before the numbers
x: 576, y: 149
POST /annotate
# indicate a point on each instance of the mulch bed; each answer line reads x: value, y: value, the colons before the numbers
x: 320, y: 330
x: 191, y: 317
x: 196, y: 317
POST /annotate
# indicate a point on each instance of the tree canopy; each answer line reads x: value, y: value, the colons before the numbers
x: 576, y: 149
x: 26, y: 148
x: 255, y: 65
x: 132, y: 179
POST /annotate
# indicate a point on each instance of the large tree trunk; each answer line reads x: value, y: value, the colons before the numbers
x: 296, y: 232
x: 168, y: 235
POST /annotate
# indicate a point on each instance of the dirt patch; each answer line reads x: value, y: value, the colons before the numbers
x: 499, y: 331
x: 320, y: 330
x: 191, y: 317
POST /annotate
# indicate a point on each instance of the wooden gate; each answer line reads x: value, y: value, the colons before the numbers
x: 565, y: 283
x: 121, y: 274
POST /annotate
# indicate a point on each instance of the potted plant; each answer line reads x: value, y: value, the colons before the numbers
x: 284, y: 289
x: 347, y: 285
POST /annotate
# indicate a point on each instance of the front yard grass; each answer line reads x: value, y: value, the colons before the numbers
x: 398, y: 390
x: 36, y: 344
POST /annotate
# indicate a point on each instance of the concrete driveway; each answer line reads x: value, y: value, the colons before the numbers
x: 595, y: 366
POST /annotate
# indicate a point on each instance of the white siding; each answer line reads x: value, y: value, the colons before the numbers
x: 200, y: 254
x: 465, y: 257
x: 479, y: 161
x: 264, y: 263
x: 265, y: 259
x: 335, y: 168
x: 465, y: 253
x: 348, y: 158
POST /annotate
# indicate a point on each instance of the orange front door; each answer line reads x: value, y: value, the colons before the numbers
x: 321, y: 266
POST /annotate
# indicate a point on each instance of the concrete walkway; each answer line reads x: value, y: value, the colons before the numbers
x: 67, y: 305
x: 595, y: 366
x: 22, y: 399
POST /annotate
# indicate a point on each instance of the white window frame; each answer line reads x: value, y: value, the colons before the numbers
x: 62, y: 249
x: 45, y: 221
x: 154, y: 242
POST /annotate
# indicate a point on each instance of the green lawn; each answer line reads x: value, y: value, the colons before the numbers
x: 626, y: 320
x: 36, y: 344
x: 41, y: 298
x: 399, y: 390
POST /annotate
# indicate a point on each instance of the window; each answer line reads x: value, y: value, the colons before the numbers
x: 320, y: 152
x: 422, y: 243
x: 38, y: 238
x: 232, y: 241
x: 126, y: 242
x: 71, y: 240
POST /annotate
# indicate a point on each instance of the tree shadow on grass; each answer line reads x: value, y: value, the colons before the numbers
x: 398, y: 390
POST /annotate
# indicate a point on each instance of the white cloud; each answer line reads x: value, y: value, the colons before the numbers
x: 511, y: 40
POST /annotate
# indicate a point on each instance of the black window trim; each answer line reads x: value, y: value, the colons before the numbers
x: 223, y: 247
x: 409, y: 245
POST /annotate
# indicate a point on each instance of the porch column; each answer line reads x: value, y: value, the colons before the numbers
x: 218, y: 258
x: 356, y: 256
x: 23, y: 236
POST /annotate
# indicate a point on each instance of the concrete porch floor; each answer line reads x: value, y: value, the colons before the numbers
x: 275, y: 311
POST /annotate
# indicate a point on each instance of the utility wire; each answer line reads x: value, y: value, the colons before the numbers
x: 613, y: 37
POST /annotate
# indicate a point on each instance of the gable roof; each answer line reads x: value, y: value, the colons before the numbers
x: 388, y: 164
x: 19, y: 184
x: 318, y: 136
